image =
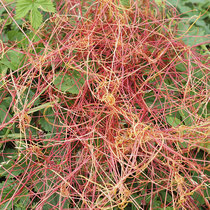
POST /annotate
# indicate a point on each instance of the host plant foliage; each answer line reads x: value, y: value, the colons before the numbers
x: 32, y: 9
x: 103, y: 105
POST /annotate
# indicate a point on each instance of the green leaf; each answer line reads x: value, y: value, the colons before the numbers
x: 32, y: 36
x: 28, y: 96
x: 206, y: 145
x: 194, y: 36
x: 187, y: 119
x: 159, y: 2
x: 4, y: 116
x: 173, y: 2
x: 7, y: 189
x: 67, y: 83
x: 6, y: 162
x: 125, y: 3
x: 14, y: 35
x: 173, y: 120
x: 181, y: 67
x: 53, y: 200
x: 3, y: 70
x: 40, y: 107
x: 12, y: 59
x: 49, y: 114
x: 35, y: 18
x: 184, y: 9
x: 138, y: 200
x: 23, y: 7
x: 195, y: 1
x: 164, y: 194
x: 46, y: 5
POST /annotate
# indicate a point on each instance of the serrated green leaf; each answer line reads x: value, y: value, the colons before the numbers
x: 4, y: 116
x: 3, y: 70
x: 138, y: 200
x: 181, y: 67
x: 67, y: 83
x: 7, y: 190
x: 173, y: 120
x: 49, y: 114
x: 35, y: 18
x: 33, y: 37
x: 6, y: 187
x: 184, y: 9
x: 164, y: 194
x: 194, y: 36
x: 23, y: 7
x: 12, y: 59
x: 125, y: 3
x: 53, y: 200
x: 46, y: 5
x: 2, y: 10
x: 173, y: 2
x: 6, y: 162
x: 195, y: 1
x: 160, y: 2
x: 206, y: 145
x: 27, y: 97
x: 187, y: 119
x: 14, y: 35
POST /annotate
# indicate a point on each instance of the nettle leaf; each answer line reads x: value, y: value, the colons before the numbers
x: 188, y: 120
x: 49, y: 121
x: 173, y: 2
x: 184, y: 9
x: 206, y: 145
x: 23, y: 7
x: 6, y: 162
x: 35, y: 18
x: 125, y: 3
x: 32, y: 36
x: 28, y: 96
x: 164, y: 194
x: 7, y: 190
x: 181, y: 67
x: 14, y: 35
x: 53, y: 200
x: 173, y: 120
x: 159, y: 2
x: 12, y: 59
x: 67, y: 83
x: 4, y: 116
x: 3, y: 70
x: 46, y: 125
x: 137, y: 198
x: 195, y: 1
x: 46, y: 5
x: 194, y: 36
x: 156, y: 202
